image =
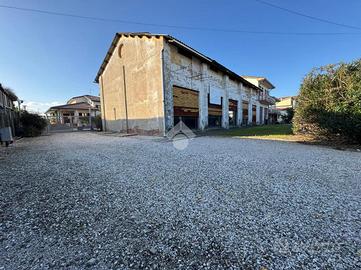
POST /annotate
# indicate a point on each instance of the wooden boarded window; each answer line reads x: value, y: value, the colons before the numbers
x: 185, y: 102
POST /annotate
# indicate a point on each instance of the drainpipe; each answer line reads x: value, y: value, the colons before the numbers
x: 163, y: 86
x: 104, y: 121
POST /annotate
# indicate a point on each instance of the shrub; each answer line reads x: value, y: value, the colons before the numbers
x: 32, y: 124
x: 329, y: 103
x: 98, y: 122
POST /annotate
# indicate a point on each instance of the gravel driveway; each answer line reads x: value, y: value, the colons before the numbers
x: 78, y: 200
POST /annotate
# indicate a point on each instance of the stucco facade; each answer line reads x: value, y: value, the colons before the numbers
x: 138, y: 77
x: 131, y: 86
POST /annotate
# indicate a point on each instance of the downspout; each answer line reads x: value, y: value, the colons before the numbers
x: 163, y: 86
x: 103, y: 105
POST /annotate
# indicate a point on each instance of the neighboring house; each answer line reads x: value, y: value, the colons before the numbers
x: 8, y: 114
x: 284, y: 103
x: 265, y: 99
x: 75, y: 112
x: 149, y: 82
x: 94, y: 101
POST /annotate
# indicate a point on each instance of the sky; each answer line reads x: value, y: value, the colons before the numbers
x: 48, y: 59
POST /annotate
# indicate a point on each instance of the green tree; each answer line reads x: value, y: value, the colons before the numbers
x: 288, y: 117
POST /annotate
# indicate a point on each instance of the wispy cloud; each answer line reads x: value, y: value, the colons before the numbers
x: 39, y: 107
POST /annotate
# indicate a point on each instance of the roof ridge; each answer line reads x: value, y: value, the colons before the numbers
x: 180, y: 44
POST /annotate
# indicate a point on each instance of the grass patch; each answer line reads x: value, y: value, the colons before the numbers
x: 270, y: 131
x: 281, y: 132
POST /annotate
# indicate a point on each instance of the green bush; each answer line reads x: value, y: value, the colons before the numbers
x: 329, y: 103
x: 98, y: 122
x: 32, y: 124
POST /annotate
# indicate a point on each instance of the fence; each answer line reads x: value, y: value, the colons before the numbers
x: 9, y: 118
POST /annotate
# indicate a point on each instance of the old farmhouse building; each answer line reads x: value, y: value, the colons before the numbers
x: 149, y: 82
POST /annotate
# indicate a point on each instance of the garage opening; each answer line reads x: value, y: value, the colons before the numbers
x: 266, y: 116
x: 186, y: 106
x: 214, y: 112
x: 254, y: 114
x: 232, y: 112
x: 245, y: 113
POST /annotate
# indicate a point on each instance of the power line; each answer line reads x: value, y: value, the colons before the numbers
x: 54, y: 13
x: 308, y: 16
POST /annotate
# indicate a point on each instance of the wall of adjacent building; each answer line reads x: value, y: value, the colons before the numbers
x: 285, y: 103
x: 141, y: 97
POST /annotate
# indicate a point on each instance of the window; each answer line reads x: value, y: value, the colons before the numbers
x: 120, y: 49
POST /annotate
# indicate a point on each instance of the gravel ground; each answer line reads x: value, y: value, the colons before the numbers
x: 84, y: 200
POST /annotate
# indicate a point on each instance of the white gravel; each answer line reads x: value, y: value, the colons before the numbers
x: 82, y: 200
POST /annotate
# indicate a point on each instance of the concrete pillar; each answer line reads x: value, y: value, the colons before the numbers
x: 258, y: 118
x: 225, y: 103
x: 61, y: 117
x: 76, y: 118
x: 203, y: 99
x: 250, y: 112
x: 239, y: 105
x: 266, y: 114
x: 239, y: 111
x: 167, y: 89
x: 102, y: 105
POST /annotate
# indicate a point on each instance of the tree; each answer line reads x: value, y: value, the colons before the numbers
x: 288, y: 117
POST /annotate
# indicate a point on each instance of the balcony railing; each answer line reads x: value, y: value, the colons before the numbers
x: 267, y: 100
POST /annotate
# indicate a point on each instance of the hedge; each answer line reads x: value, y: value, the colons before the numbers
x: 329, y: 103
x: 32, y: 124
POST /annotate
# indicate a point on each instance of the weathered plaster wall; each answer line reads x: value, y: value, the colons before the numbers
x: 141, y: 58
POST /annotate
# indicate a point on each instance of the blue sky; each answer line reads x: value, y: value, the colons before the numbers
x: 48, y: 59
